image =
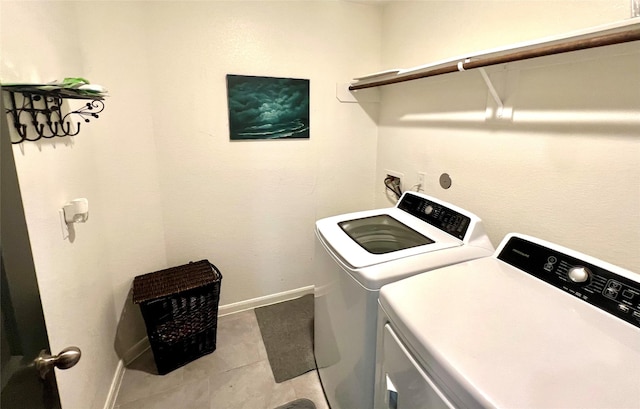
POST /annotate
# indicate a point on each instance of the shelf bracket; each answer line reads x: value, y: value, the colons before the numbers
x: 501, y: 108
x: 493, y: 92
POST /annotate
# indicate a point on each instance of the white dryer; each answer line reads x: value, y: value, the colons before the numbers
x: 356, y: 254
x: 535, y: 326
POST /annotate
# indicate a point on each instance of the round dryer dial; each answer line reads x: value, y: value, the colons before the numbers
x: 579, y: 274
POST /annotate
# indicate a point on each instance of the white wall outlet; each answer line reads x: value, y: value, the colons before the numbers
x: 421, y: 178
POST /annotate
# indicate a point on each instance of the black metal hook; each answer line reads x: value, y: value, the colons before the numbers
x: 56, y: 123
x: 68, y: 132
x: 53, y: 130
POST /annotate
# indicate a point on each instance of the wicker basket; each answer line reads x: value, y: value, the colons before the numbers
x: 180, y: 310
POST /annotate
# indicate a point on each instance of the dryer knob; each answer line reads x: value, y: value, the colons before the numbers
x: 579, y: 274
x: 428, y: 209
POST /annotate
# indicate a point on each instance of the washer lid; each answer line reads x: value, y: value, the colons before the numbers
x: 494, y: 336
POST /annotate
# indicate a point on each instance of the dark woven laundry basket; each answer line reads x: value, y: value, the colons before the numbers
x: 180, y: 309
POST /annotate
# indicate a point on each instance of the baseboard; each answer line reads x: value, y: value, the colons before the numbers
x: 135, y: 351
x: 115, y: 386
x: 263, y: 301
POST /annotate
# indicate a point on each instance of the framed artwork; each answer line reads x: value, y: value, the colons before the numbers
x: 267, y: 107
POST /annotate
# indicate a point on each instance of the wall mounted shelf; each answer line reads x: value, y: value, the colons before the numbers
x: 610, y: 34
x: 37, y: 112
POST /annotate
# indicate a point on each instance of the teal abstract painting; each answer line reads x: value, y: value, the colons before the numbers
x: 267, y: 107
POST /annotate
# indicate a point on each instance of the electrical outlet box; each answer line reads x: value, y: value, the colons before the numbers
x: 394, y: 173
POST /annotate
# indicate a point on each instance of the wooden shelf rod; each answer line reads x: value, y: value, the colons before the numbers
x: 539, y: 51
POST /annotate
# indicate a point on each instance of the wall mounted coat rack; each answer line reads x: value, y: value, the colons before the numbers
x: 38, y: 113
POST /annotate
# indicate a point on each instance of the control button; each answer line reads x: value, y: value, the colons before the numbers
x: 579, y: 274
x: 552, y: 260
x: 623, y: 308
x: 636, y: 314
x: 611, y: 292
x: 616, y: 285
x: 628, y: 294
x: 428, y: 209
x: 548, y: 267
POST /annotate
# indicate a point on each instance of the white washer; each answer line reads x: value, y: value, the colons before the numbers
x: 356, y: 254
x: 535, y: 326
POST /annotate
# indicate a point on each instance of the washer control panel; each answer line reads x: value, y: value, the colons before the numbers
x: 437, y: 215
x: 602, y: 288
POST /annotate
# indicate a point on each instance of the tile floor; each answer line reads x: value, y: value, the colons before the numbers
x: 236, y: 375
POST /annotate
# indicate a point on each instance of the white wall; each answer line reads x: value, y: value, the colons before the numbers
x: 565, y: 169
x: 111, y: 162
x: 420, y: 32
x: 250, y: 206
x: 126, y: 165
x: 164, y: 182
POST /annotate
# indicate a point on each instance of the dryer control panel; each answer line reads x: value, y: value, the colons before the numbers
x: 591, y: 283
x: 437, y: 215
